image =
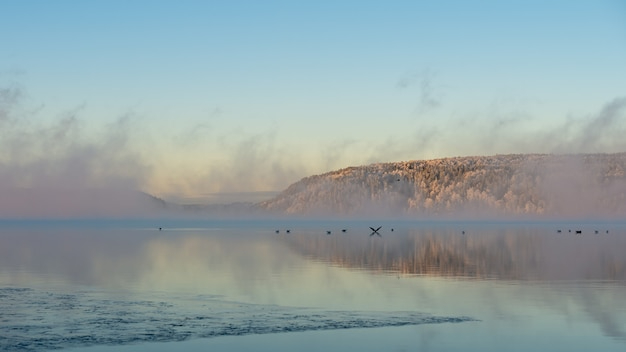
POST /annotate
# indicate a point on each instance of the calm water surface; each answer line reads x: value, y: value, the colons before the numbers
x: 105, y: 286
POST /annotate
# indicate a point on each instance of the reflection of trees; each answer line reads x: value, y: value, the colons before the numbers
x: 425, y: 253
x: 502, y: 255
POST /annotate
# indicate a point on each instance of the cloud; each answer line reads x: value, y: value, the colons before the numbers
x: 68, y: 152
x: 252, y: 162
x: 336, y: 153
x: 194, y: 135
x: 56, y: 168
x: 62, y: 155
x: 429, y: 95
x: 603, y: 130
x: 9, y: 98
x: 498, y: 130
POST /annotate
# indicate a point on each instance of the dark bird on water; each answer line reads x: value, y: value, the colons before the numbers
x: 558, y: 231
x: 596, y: 232
x: 160, y: 228
x: 375, y: 231
x: 328, y: 232
x: 343, y: 230
x: 288, y: 231
x: 277, y: 231
x: 579, y: 232
x: 463, y: 232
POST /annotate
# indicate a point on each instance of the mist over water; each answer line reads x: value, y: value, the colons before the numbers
x: 62, y: 166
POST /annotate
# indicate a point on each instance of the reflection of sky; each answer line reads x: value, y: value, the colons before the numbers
x: 252, y: 267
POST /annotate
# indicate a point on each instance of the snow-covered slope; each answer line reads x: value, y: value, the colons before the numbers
x: 589, y: 185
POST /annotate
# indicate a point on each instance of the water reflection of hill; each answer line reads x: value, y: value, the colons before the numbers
x: 506, y: 254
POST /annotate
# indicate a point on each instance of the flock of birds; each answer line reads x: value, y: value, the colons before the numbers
x: 375, y: 231
x: 579, y: 232
x: 329, y: 232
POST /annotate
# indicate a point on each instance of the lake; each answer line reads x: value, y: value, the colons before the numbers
x: 241, y: 285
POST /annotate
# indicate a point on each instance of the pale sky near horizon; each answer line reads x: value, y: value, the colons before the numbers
x: 184, y: 98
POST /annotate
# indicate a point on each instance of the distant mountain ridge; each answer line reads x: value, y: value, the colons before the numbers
x: 60, y: 203
x: 81, y: 203
x: 580, y: 185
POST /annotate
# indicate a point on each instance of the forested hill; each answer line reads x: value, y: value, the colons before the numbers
x: 582, y: 185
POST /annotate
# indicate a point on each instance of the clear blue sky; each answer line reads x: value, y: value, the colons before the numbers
x: 191, y: 97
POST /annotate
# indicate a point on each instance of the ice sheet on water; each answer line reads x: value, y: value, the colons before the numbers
x: 34, y: 320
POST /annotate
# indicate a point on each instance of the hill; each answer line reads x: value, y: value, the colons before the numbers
x: 92, y: 203
x: 546, y: 185
x: 67, y: 203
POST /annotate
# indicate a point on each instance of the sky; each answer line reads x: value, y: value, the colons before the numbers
x: 185, y: 99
